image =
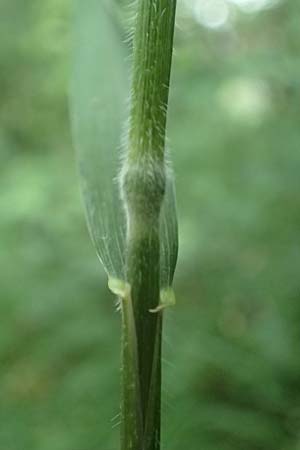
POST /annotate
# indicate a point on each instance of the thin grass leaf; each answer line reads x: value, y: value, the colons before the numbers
x: 98, y: 107
x: 99, y: 99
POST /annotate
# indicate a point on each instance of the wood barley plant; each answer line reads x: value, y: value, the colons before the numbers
x: 119, y: 112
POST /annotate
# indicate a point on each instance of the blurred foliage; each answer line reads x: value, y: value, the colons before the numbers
x: 232, y: 369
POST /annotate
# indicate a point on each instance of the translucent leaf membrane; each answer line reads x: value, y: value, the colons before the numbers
x: 169, y: 233
x: 98, y: 97
x: 99, y: 108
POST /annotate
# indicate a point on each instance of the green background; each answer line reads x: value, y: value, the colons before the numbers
x: 231, y: 363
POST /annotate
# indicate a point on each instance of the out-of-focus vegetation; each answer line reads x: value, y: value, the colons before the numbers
x: 232, y: 365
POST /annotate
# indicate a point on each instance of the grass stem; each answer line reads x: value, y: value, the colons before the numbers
x: 143, y: 182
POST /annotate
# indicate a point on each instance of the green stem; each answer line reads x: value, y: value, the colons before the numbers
x: 152, y: 57
x: 143, y: 188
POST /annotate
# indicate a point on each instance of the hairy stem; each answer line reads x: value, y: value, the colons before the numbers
x: 143, y: 187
